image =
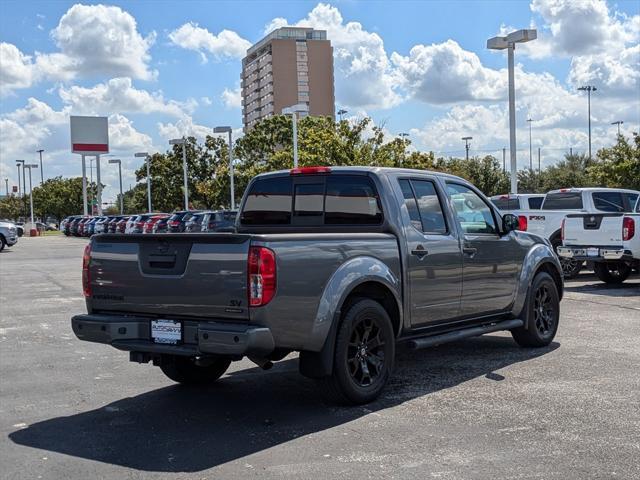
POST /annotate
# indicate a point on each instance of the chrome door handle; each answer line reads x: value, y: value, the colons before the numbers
x: 469, y: 251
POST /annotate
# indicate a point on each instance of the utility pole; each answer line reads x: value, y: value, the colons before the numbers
x: 589, y: 89
x: 466, y: 146
x: 41, y: 172
x: 538, y: 160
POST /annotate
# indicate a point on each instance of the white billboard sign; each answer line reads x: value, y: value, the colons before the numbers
x: 89, y: 135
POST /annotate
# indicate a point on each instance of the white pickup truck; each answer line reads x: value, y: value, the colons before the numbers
x: 610, y: 240
x: 557, y: 204
x: 511, y: 202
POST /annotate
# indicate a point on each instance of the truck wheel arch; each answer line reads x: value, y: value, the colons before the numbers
x: 382, y: 287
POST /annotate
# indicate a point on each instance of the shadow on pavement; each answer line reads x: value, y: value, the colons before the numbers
x: 179, y: 429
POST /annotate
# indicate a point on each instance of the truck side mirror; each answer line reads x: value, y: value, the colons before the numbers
x: 509, y: 222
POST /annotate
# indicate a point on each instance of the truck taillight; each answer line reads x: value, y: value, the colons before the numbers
x: 86, y: 278
x: 562, y: 230
x: 628, y: 228
x: 261, y: 276
x: 522, y: 223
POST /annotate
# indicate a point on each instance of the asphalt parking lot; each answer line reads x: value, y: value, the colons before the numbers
x: 480, y: 408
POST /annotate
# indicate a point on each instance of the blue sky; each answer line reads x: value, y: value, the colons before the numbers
x: 162, y: 69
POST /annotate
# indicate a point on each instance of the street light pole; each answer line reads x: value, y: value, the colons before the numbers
x: 41, y: 170
x: 618, y: 123
x: 24, y: 182
x: 145, y: 155
x: 117, y: 160
x: 182, y: 141
x: 509, y: 43
x: 30, y: 166
x: 293, y: 110
x: 6, y: 185
x: 19, y: 187
x: 98, y: 186
x: 589, y: 89
x: 529, y: 121
x: 342, y: 112
x: 228, y: 130
x: 466, y: 146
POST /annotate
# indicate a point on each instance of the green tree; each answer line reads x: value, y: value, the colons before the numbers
x: 11, y: 207
x: 485, y: 173
x: 619, y: 165
x: 570, y: 172
x: 59, y: 197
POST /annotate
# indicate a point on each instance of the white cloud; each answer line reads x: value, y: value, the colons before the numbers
x: 16, y: 69
x: 227, y: 44
x: 119, y: 95
x: 183, y: 127
x: 232, y: 98
x: 445, y: 73
x: 123, y: 136
x: 364, y: 75
x: 103, y: 40
x: 585, y: 26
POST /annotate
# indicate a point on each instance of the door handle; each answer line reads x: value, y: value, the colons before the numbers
x: 419, y: 252
x: 469, y: 251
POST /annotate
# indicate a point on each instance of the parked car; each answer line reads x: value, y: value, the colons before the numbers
x: 151, y: 221
x: 161, y: 225
x: 89, y: 226
x: 100, y: 225
x: 194, y: 224
x: 8, y: 234
x: 121, y: 225
x: 218, y: 221
x: 557, y: 204
x: 131, y: 223
x: 177, y: 221
x: 339, y: 264
x: 138, y: 225
x: 73, y: 225
x: 111, y: 225
x: 511, y: 202
x: 610, y: 240
x: 81, y: 225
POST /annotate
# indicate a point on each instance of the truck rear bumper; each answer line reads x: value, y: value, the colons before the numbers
x: 597, y: 254
x: 201, y: 338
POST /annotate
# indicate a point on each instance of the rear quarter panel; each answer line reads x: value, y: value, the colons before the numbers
x: 315, y: 272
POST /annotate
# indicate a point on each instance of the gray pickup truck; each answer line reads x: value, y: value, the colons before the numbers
x: 339, y: 264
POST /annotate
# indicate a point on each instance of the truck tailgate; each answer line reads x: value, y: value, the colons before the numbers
x: 170, y: 275
x: 593, y: 229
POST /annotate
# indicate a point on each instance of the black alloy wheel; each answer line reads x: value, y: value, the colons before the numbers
x: 365, y: 353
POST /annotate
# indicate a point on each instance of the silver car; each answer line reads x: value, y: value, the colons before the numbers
x: 8, y: 234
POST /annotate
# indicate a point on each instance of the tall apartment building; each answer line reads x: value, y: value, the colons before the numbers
x: 289, y: 66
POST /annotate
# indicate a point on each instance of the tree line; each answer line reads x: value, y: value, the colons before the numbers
x: 321, y: 141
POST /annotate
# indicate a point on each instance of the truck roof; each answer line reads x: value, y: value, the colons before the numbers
x: 374, y: 170
x: 591, y: 189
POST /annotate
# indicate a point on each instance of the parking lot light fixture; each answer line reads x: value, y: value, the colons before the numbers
x: 466, y: 146
x: 21, y: 190
x: 41, y: 169
x: 618, y: 123
x: 117, y: 160
x: 509, y: 43
x: 588, y: 89
x: 145, y: 155
x: 30, y: 166
x: 227, y: 129
x: 182, y: 141
x: 293, y: 111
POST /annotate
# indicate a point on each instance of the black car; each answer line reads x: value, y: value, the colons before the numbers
x: 111, y: 224
x: 221, y: 220
x: 176, y: 223
x: 194, y: 224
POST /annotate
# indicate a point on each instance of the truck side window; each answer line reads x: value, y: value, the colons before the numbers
x: 410, y: 203
x: 608, y: 201
x: 535, y: 203
x: 268, y: 203
x: 474, y: 214
x: 429, y: 207
x: 351, y: 200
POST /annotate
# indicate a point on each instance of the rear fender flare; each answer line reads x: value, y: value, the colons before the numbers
x: 317, y: 361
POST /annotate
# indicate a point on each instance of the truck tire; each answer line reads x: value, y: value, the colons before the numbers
x: 184, y: 369
x: 612, y: 272
x: 363, y: 356
x: 541, y: 313
x: 2, y: 243
x: 570, y: 267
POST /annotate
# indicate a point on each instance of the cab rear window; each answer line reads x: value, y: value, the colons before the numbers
x: 312, y: 201
x: 506, y: 203
x: 563, y: 201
